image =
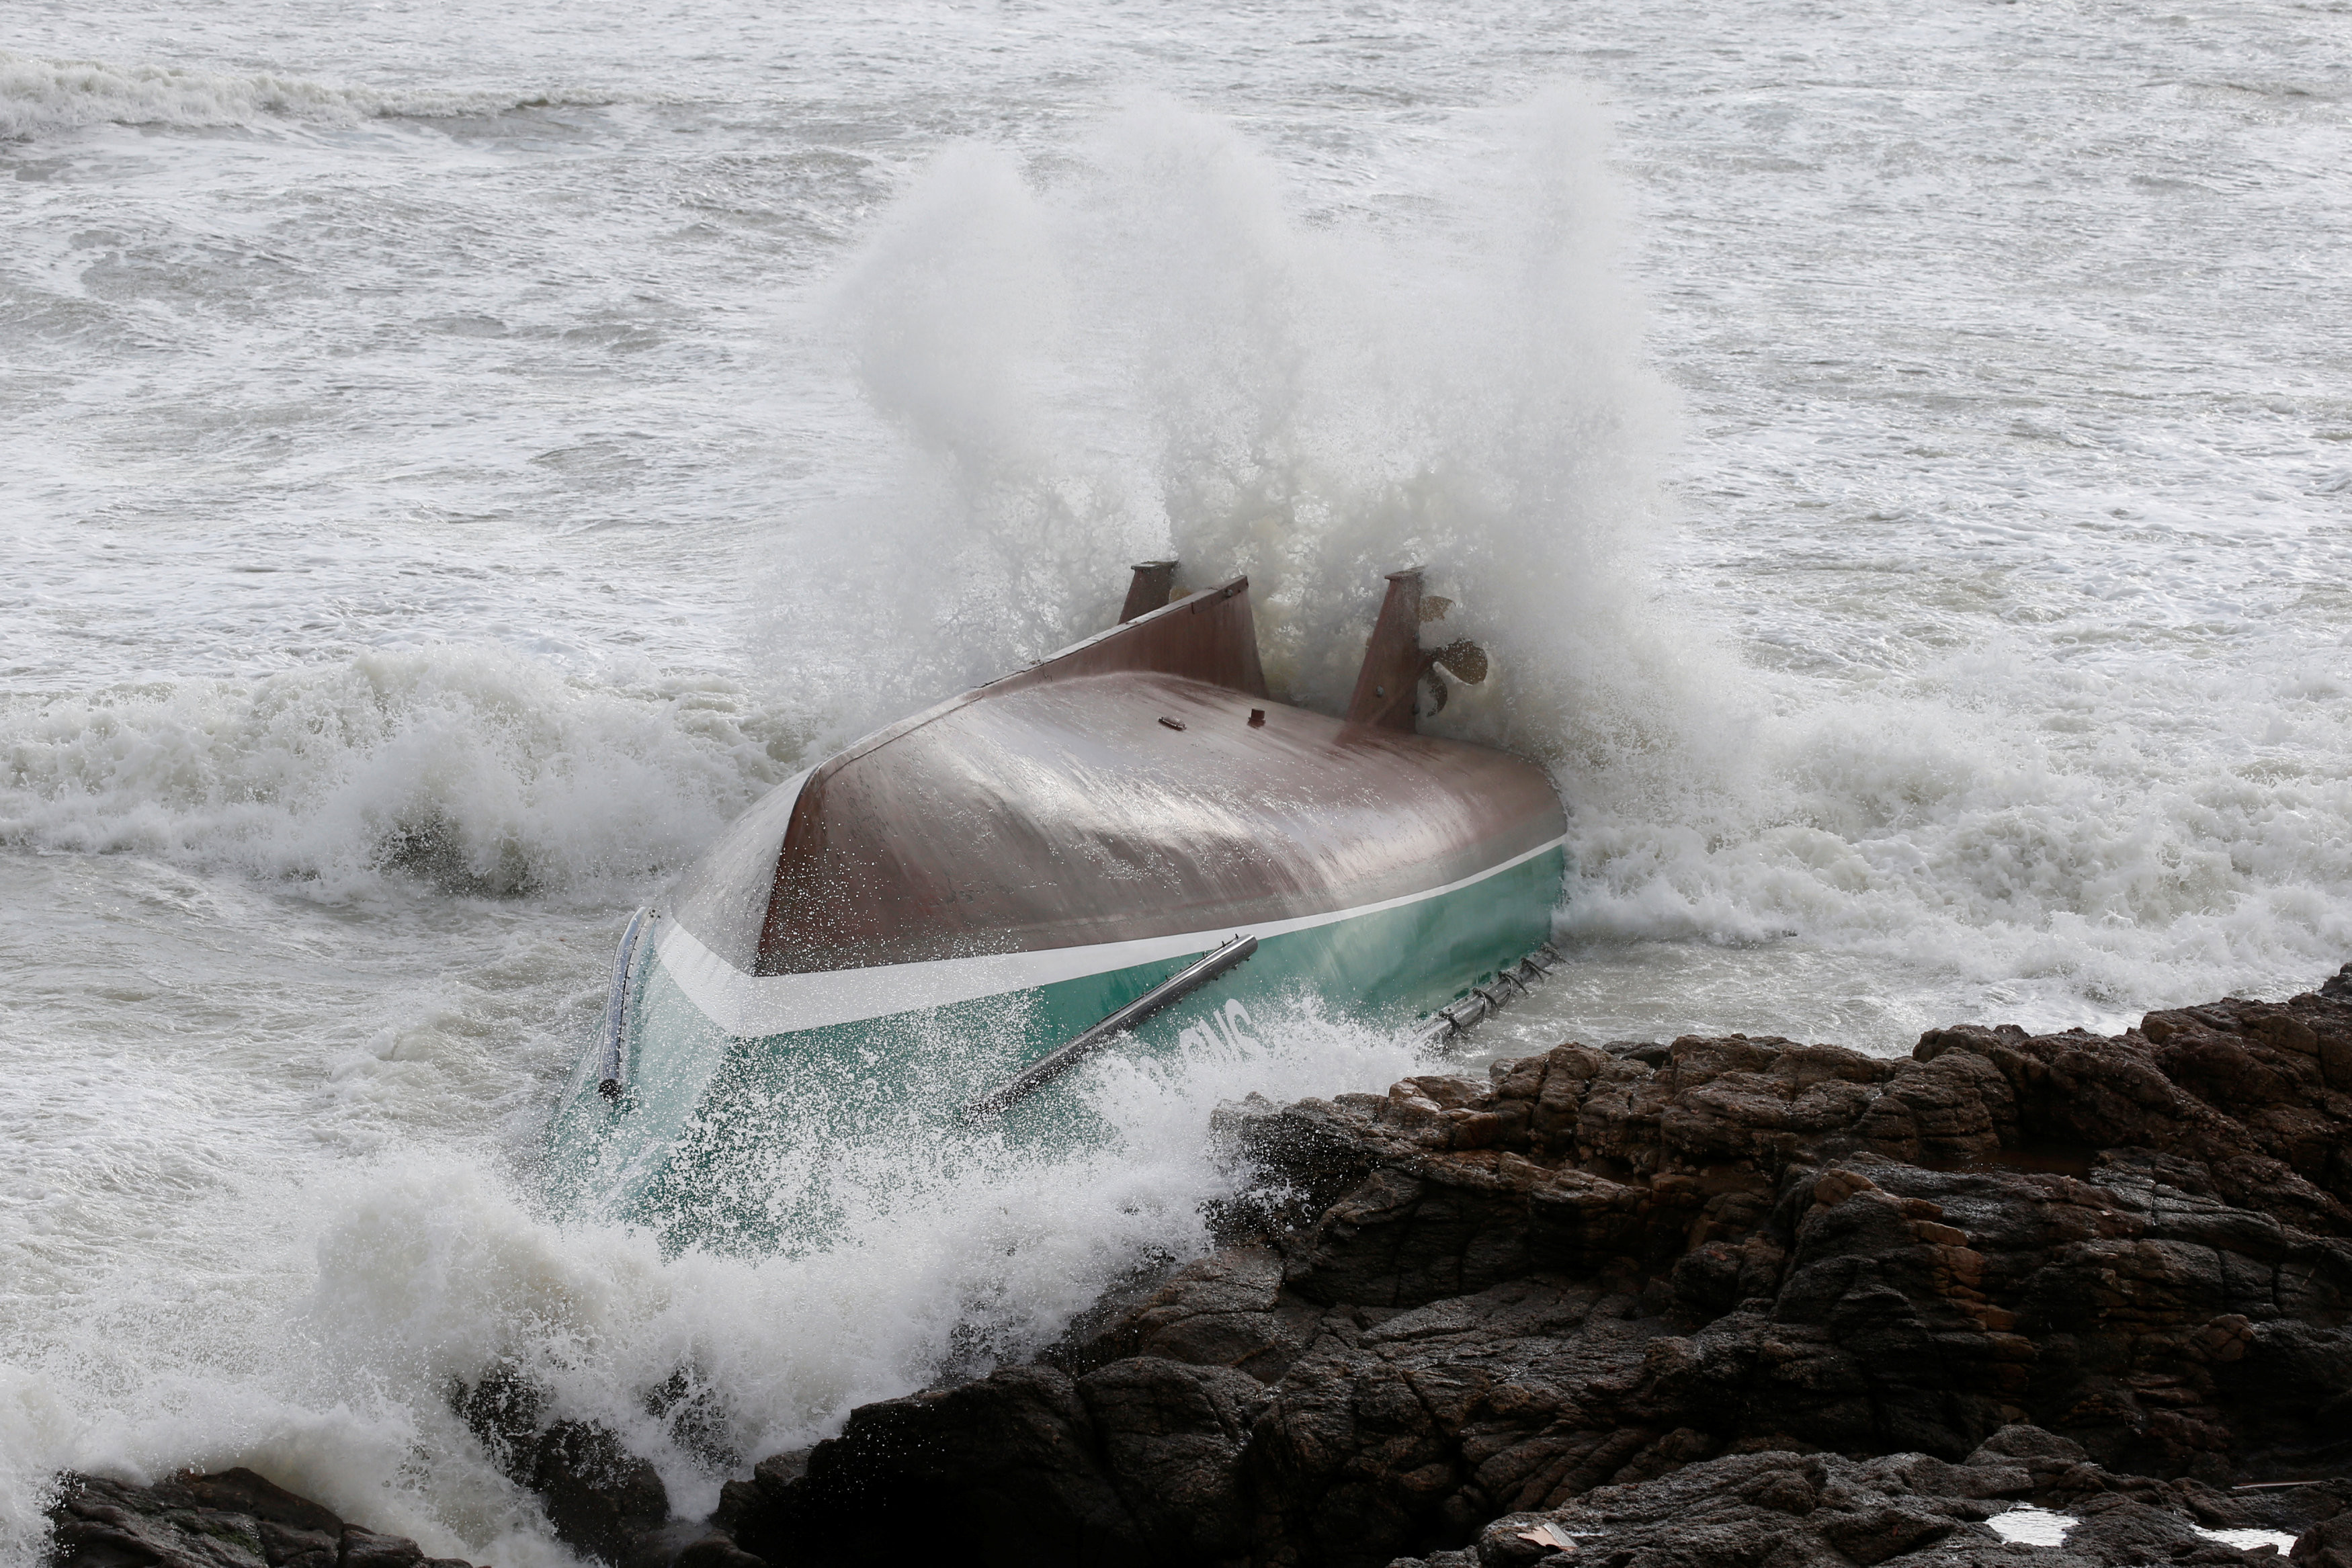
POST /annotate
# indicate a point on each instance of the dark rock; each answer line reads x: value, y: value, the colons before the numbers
x: 1007, y: 1465
x: 1228, y: 1309
x: 1138, y: 1461
x: 231, y: 1519
x: 242, y: 1491
x: 366, y: 1549
x: 716, y: 1551
x: 599, y: 1498
x: 102, y: 1523
x: 2326, y: 1545
x: 2021, y: 1266
x: 1172, y: 1437
x: 769, y: 1478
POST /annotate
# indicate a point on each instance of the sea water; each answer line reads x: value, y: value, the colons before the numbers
x: 456, y: 457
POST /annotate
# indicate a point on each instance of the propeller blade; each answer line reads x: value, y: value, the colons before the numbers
x: 1434, y: 684
x: 1464, y: 660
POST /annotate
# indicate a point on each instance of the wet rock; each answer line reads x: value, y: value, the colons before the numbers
x: 599, y: 1498
x: 1687, y: 1288
x: 2326, y: 1545
x: 366, y: 1549
x: 1172, y: 1436
x: 233, y: 1519
x: 1793, y: 1509
x: 1138, y: 1461
x: 1229, y: 1309
x: 740, y: 1499
x: 716, y: 1551
x: 1011, y: 1464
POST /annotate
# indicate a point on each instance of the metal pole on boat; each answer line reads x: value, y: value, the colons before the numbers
x: 1174, y: 989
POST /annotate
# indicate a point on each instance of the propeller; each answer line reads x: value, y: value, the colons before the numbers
x: 1463, y: 659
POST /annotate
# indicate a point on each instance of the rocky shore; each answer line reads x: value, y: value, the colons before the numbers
x: 1719, y: 1303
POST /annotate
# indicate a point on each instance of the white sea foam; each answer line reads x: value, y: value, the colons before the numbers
x: 1150, y: 347
x: 2027, y: 1525
x: 2283, y: 1542
x: 481, y: 770
x: 322, y: 1337
x: 2091, y: 880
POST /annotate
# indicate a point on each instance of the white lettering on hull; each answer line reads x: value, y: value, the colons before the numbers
x: 1230, y: 1027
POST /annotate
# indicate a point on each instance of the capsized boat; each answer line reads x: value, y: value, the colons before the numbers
x: 1127, y: 844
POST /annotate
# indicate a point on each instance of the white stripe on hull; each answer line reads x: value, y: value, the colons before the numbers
x: 751, y: 1006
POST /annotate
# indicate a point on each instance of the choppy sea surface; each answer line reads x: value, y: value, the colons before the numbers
x: 453, y: 458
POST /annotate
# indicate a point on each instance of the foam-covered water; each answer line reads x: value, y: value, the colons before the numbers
x: 456, y: 457
x: 2026, y: 1525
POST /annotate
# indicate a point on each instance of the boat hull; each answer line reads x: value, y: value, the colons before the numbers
x: 1005, y: 882
x: 740, y: 1088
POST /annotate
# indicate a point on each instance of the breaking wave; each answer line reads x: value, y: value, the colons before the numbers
x: 1153, y: 347
x: 475, y: 768
x: 41, y: 96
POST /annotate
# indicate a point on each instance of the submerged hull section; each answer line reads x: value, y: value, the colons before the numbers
x: 950, y: 900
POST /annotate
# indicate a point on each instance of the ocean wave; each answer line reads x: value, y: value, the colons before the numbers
x: 478, y: 770
x: 2094, y: 876
x: 41, y: 96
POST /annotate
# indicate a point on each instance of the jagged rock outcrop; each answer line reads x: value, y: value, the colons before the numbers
x: 1604, y: 1266
x: 232, y: 1520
